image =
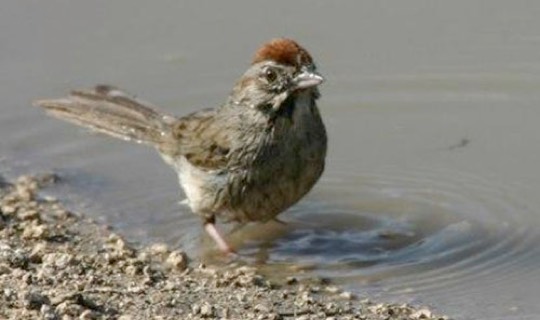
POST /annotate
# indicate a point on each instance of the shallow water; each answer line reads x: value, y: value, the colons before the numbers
x: 431, y: 190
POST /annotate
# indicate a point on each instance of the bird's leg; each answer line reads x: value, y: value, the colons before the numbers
x: 210, y: 227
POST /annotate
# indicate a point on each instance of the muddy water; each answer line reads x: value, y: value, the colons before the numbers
x: 431, y: 190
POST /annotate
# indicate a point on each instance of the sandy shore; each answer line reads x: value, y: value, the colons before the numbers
x: 55, y: 264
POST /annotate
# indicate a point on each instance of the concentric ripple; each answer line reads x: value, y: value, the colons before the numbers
x: 419, y: 231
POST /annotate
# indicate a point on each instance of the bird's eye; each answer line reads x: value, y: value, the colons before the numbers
x: 270, y: 75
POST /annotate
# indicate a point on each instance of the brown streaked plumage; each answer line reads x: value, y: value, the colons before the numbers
x: 247, y: 160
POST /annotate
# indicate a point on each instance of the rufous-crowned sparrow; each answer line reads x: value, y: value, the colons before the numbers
x: 247, y: 160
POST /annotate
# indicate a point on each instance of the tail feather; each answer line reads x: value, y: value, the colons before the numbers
x: 111, y: 111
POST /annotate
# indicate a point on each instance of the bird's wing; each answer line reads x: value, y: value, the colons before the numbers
x: 201, y: 140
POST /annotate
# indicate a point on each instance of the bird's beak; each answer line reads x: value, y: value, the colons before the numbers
x: 307, y: 79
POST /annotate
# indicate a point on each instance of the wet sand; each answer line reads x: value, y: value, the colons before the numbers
x: 57, y: 264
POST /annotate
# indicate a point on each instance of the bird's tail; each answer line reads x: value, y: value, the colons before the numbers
x: 111, y: 111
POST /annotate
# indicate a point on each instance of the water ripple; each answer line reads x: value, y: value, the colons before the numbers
x: 421, y: 230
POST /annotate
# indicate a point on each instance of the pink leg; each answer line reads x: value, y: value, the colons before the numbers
x: 210, y: 228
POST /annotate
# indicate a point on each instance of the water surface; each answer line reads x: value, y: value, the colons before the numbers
x: 431, y: 190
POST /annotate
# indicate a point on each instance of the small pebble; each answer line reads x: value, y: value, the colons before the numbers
x: 35, y: 231
x: 36, y: 256
x: 261, y: 308
x: 8, y: 209
x: 33, y: 300
x: 88, y: 315
x: 421, y: 314
x: 196, y: 309
x: 28, y: 214
x: 291, y: 280
x: 57, y: 260
x: 347, y: 295
x: 8, y: 294
x: 4, y: 269
x: 159, y: 249
x: 207, y: 310
x: 177, y: 260
x: 332, y: 289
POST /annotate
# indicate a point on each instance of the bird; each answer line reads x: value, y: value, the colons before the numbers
x: 246, y: 160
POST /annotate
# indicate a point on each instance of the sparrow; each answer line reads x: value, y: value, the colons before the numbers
x: 245, y: 161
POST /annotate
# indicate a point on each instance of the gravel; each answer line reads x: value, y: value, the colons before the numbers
x: 55, y: 264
